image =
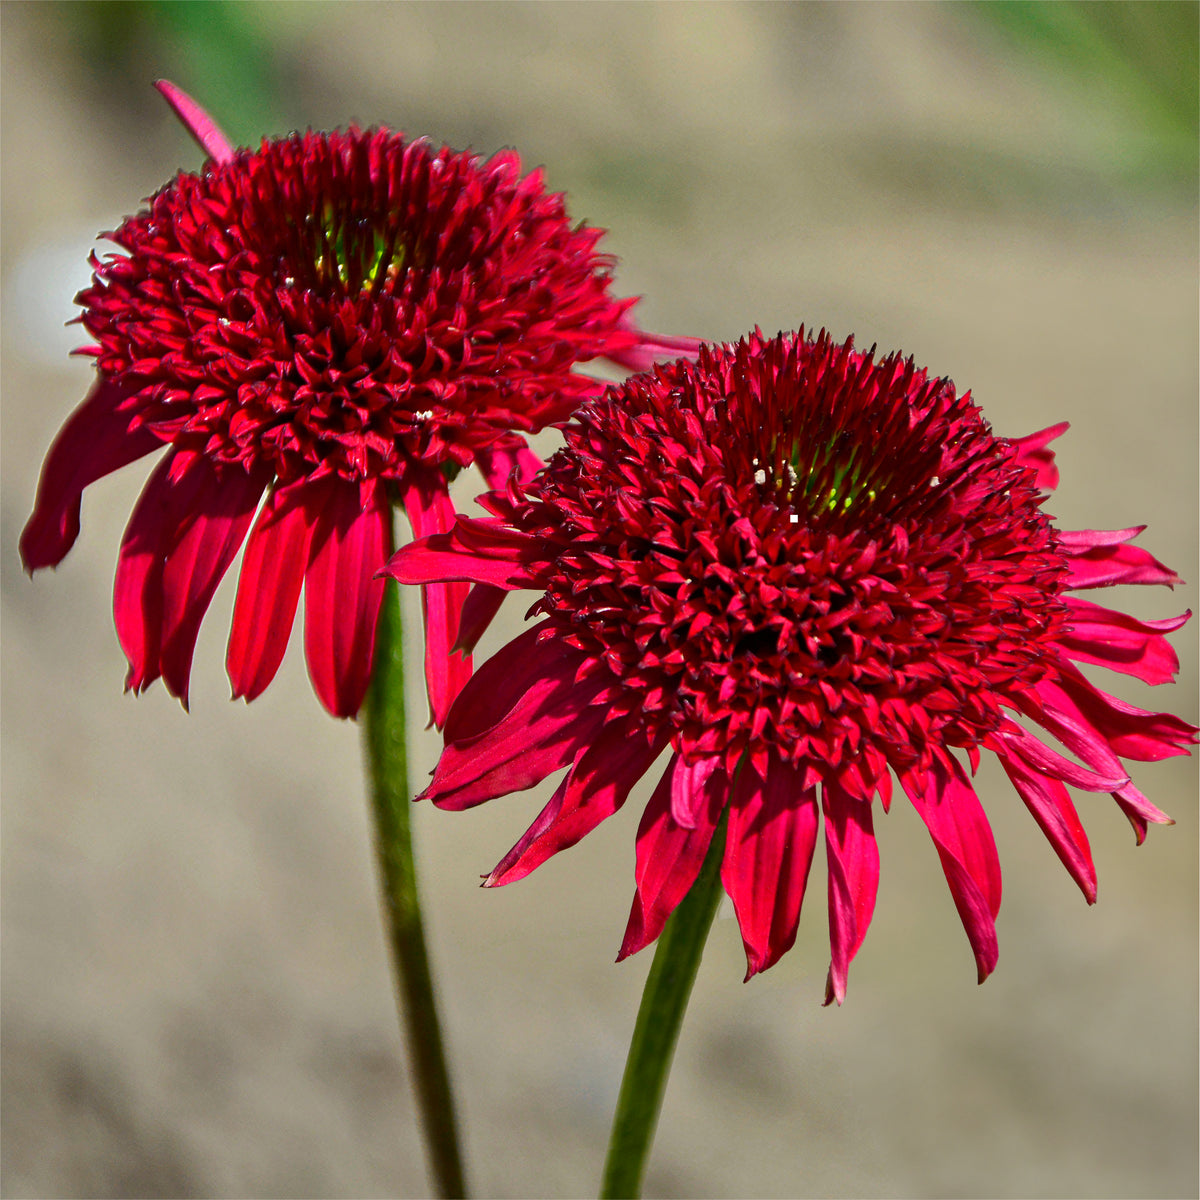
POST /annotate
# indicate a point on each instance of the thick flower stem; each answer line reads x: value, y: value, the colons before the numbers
x: 387, y: 760
x: 664, y: 1001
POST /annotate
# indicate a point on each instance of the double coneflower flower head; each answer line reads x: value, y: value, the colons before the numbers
x: 800, y: 573
x: 337, y: 322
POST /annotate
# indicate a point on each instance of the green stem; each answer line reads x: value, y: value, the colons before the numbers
x: 391, y: 801
x: 664, y: 1001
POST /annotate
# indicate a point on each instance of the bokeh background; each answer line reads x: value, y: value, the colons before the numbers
x: 196, y: 1000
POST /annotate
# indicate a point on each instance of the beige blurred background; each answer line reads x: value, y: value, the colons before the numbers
x: 196, y: 1000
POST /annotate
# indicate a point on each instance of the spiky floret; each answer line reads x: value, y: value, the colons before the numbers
x: 805, y: 571
x: 337, y: 320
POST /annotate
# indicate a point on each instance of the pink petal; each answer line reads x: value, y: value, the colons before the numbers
x: 475, y: 551
x: 853, y: 858
x: 198, y: 562
x: 175, y: 492
x: 669, y: 858
x: 342, y: 594
x: 97, y: 438
x: 1041, y: 758
x: 497, y: 465
x: 689, y: 790
x: 959, y: 827
x: 1062, y: 717
x: 650, y: 348
x: 550, y: 721
x: 1104, y: 558
x: 595, y: 788
x: 1132, y: 732
x: 773, y: 826
x: 1032, y: 453
x: 269, y: 585
x: 1051, y: 806
x: 430, y: 511
x: 1120, y: 642
x: 197, y: 122
x: 1139, y: 810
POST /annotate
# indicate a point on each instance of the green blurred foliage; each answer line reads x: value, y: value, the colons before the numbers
x: 1140, y: 59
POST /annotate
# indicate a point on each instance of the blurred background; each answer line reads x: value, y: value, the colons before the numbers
x: 196, y: 999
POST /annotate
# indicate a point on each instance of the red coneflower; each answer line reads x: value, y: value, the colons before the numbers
x: 804, y: 572
x: 336, y: 321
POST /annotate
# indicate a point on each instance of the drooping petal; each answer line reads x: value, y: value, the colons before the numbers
x: 1120, y: 642
x: 198, y: 562
x: 1036, y: 754
x: 963, y: 838
x: 196, y: 121
x: 98, y: 438
x: 853, y: 858
x: 1130, y: 731
x: 773, y: 826
x: 1051, y: 807
x: 177, y: 489
x: 268, y: 592
x: 1104, y: 558
x: 669, y: 857
x: 1062, y: 717
x: 1140, y: 811
x: 597, y: 785
x: 1032, y: 453
x: 430, y: 511
x: 649, y: 348
x: 342, y: 596
x: 545, y: 719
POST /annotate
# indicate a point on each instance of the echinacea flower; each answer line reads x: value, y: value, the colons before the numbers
x: 801, y: 573
x: 337, y: 322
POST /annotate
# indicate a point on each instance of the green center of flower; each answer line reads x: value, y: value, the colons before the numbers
x: 356, y: 252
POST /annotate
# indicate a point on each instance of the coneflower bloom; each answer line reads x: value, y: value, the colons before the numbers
x: 802, y: 573
x: 337, y: 322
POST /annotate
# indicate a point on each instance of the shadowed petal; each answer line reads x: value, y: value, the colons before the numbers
x: 768, y: 850
x: 1121, y: 642
x: 97, y: 439
x: 269, y: 585
x: 350, y: 541
x: 493, y: 555
x: 498, y: 465
x: 689, y: 790
x: 959, y: 827
x: 853, y: 858
x: 478, y: 611
x: 176, y: 490
x: 1040, y: 757
x: 198, y: 562
x: 550, y: 721
x: 595, y: 788
x: 1051, y: 807
x: 196, y: 121
x: 669, y: 857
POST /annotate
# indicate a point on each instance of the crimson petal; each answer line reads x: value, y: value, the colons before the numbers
x: 773, y: 825
x: 1032, y: 453
x: 597, y: 785
x: 269, y: 585
x: 342, y: 596
x: 1120, y: 642
x: 669, y: 857
x: 1052, y: 809
x: 1104, y: 558
x: 853, y: 857
x: 176, y: 490
x: 99, y: 437
x: 197, y: 122
x: 959, y: 827
x: 198, y: 562
x: 430, y: 511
